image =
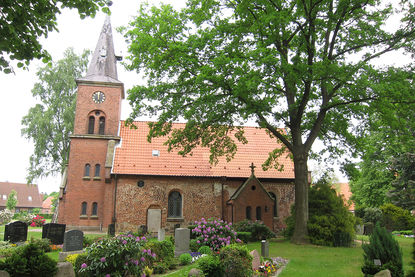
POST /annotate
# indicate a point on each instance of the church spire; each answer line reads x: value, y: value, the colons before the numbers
x: 103, y: 66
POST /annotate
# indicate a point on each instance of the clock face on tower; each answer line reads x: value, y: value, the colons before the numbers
x: 98, y: 97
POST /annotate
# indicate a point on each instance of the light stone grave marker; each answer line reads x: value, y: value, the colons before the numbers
x: 161, y: 234
x: 256, y: 260
x: 181, y: 241
x: 153, y: 220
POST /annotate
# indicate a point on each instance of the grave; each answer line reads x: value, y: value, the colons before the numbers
x: 15, y: 232
x: 181, y: 241
x: 73, y: 241
x: 161, y: 234
x: 256, y: 260
x: 153, y: 220
x: 111, y: 229
x: 54, y: 232
x: 265, y: 248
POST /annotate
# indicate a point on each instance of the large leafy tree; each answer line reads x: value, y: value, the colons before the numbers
x: 402, y: 193
x: 50, y: 122
x: 384, y: 138
x: 23, y: 22
x: 288, y: 65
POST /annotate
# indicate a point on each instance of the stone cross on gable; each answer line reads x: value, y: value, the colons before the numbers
x: 252, y: 168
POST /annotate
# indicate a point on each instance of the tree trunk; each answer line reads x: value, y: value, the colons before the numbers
x: 301, y: 198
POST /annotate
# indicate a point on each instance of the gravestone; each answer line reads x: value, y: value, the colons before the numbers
x: 359, y: 229
x: 111, y: 229
x: 54, y: 232
x: 256, y: 260
x: 161, y: 234
x: 73, y: 240
x: 153, y: 220
x: 15, y: 232
x: 383, y: 273
x: 181, y: 241
x: 142, y: 230
x: 377, y: 262
x: 265, y: 248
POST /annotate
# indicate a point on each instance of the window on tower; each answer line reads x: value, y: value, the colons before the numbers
x: 94, y: 209
x: 248, y: 213
x: 258, y: 213
x: 87, y: 170
x: 83, y: 208
x: 91, y: 124
x: 101, y: 125
x: 97, y: 170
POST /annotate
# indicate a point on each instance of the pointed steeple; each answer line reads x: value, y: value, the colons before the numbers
x: 103, y: 66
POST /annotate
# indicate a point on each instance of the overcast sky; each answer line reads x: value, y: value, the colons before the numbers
x: 16, y: 88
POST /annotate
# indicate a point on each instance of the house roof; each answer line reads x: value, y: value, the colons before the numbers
x: 344, y: 190
x: 28, y: 195
x: 252, y: 179
x: 47, y: 203
x: 134, y: 156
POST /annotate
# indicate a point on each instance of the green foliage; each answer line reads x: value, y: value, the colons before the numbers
x: 236, y: 261
x: 403, y: 187
x: 244, y: 236
x: 72, y: 259
x: 218, y: 64
x: 205, y: 250
x: 29, y: 260
x: 24, y: 216
x: 373, y: 215
x: 185, y: 259
x: 50, y: 122
x: 257, y: 229
x: 396, y: 218
x: 164, y: 251
x: 385, y: 248
x: 118, y: 256
x: 79, y: 261
x: 43, y: 244
x: 87, y: 241
x: 211, y: 266
x: 11, y: 200
x: 194, y: 245
x: 412, y: 272
x: 26, y: 26
x: 330, y: 221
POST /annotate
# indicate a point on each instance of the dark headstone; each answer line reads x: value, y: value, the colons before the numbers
x: 54, y: 232
x: 265, y: 248
x: 15, y: 232
x: 73, y: 240
x: 111, y: 230
x: 142, y: 230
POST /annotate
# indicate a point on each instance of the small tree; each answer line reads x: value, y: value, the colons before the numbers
x: 11, y: 200
x: 385, y: 248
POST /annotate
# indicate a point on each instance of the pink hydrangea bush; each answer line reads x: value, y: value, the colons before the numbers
x: 214, y: 233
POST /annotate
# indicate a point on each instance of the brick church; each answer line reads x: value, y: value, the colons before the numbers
x: 115, y: 176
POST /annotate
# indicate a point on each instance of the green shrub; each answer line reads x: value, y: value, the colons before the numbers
x: 194, y: 245
x: 205, y: 250
x: 118, y: 256
x: 80, y: 259
x: 72, y: 259
x: 29, y: 260
x: 236, y: 261
x: 43, y: 244
x: 191, y: 227
x: 210, y: 266
x: 87, y: 241
x: 396, y: 218
x: 373, y: 215
x: 412, y: 272
x: 244, y: 236
x: 368, y: 228
x: 164, y: 251
x: 385, y: 248
x: 257, y: 229
x: 185, y: 259
x: 24, y: 216
x: 405, y: 232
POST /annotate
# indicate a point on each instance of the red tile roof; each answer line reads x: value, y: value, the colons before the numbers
x: 47, y: 203
x: 25, y: 192
x: 134, y: 156
x: 344, y: 190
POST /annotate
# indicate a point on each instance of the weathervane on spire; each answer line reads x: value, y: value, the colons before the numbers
x: 252, y: 168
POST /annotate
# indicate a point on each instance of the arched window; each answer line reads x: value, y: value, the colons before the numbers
x: 91, y: 124
x: 97, y: 170
x: 101, y: 125
x: 83, y: 208
x: 87, y: 170
x: 258, y: 213
x: 94, y: 208
x: 274, y: 207
x: 175, y: 204
x: 248, y: 213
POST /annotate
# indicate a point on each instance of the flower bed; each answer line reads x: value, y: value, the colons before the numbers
x: 270, y: 267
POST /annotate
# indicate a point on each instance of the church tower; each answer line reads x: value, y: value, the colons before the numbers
x: 87, y: 191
